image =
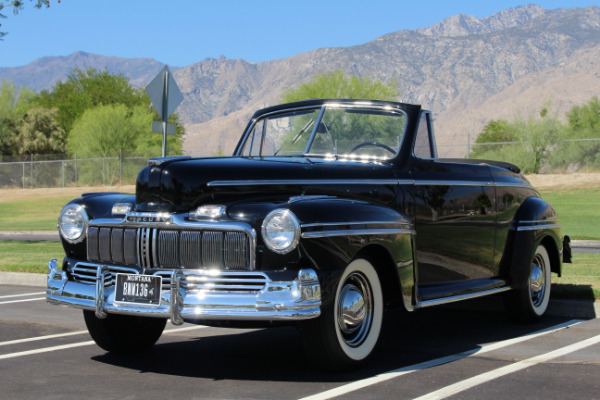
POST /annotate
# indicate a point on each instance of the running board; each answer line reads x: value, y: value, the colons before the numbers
x: 460, y: 297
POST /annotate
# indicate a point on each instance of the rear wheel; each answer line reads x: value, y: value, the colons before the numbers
x: 124, y: 333
x: 531, y: 301
x: 347, y: 331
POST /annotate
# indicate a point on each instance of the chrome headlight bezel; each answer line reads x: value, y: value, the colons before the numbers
x: 72, y: 223
x: 281, y: 231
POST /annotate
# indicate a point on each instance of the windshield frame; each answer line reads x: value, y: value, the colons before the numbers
x: 322, y: 108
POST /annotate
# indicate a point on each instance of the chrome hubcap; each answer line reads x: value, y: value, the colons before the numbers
x: 537, y: 280
x: 355, y: 309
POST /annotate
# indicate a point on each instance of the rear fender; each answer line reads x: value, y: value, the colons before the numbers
x: 534, y: 223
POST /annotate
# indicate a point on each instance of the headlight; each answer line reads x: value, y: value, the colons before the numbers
x: 72, y: 223
x: 281, y: 231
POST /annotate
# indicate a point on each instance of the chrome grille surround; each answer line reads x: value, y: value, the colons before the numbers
x: 178, y: 243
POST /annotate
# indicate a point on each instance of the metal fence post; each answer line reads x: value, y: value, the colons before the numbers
x: 75, y: 168
x: 120, y: 167
x: 31, y: 170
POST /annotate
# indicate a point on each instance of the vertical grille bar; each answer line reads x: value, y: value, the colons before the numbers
x: 116, y: 246
x: 168, y: 246
x: 104, y: 244
x: 190, y: 249
x: 130, y: 246
x: 92, y: 243
x: 212, y: 249
x: 236, y: 251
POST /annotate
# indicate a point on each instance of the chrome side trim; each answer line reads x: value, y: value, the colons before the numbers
x: 272, y: 182
x: 537, y: 227
x: 318, y: 224
x: 419, y: 182
x: 357, y: 232
x: 452, y: 183
x: 452, y: 299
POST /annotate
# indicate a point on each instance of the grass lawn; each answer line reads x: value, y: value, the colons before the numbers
x: 577, y: 211
x: 28, y: 256
x: 38, y: 213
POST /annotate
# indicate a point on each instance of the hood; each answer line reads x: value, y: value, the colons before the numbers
x: 179, y: 185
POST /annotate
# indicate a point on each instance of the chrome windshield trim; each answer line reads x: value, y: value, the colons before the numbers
x: 311, y: 139
x: 366, y: 105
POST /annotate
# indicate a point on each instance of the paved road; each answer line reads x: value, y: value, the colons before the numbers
x: 454, y: 353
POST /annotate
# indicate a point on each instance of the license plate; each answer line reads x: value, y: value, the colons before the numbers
x: 138, y: 289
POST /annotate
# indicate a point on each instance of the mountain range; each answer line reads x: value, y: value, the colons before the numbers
x: 466, y: 70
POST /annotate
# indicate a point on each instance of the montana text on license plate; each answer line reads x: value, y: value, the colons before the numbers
x: 140, y: 289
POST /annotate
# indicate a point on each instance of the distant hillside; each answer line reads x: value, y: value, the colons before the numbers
x: 466, y: 70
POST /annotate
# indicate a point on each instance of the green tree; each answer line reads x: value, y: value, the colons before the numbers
x: 39, y: 133
x: 14, y: 104
x: 111, y: 131
x: 532, y: 141
x: 104, y: 130
x: 578, y: 149
x: 338, y: 85
x: 83, y: 90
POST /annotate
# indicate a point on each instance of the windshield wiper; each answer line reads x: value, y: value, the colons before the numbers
x: 304, y: 129
x: 295, y: 139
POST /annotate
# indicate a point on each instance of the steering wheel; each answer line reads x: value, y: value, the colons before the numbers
x: 376, y: 144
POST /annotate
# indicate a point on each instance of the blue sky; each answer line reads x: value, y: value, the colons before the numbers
x: 182, y: 32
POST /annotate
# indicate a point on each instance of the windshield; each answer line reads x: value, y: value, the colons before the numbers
x: 330, y: 131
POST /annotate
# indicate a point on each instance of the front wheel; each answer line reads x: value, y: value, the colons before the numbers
x: 124, y: 333
x: 530, y: 302
x: 347, y: 331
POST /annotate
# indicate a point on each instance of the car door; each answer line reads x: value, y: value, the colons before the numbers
x: 455, y: 220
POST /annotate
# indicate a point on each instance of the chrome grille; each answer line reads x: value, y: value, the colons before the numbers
x: 209, y: 281
x: 168, y: 248
x: 86, y: 273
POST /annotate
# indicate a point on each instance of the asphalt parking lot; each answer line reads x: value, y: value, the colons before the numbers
x: 459, y: 352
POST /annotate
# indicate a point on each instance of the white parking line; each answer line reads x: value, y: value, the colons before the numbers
x: 509, y: 369
x: 21, y: 301
x: 21, y: 295
x: 33, y: 339
x: 79, y: 344
x: 357, y: 385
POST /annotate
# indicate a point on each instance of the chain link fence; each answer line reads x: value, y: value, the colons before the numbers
x: 64, y: 170
x: 564, y: 156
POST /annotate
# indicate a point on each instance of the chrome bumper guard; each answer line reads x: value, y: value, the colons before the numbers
x: 290, y: 300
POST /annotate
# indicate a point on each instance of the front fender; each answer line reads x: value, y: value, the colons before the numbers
x: 335, y: 231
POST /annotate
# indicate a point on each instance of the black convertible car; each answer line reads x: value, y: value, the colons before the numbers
x: 329, y: 212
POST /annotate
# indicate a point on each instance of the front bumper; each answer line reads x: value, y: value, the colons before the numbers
x: 298, y: 299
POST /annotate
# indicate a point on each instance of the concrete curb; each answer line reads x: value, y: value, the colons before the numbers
x: 23, y: 279
x: 557, y: 308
